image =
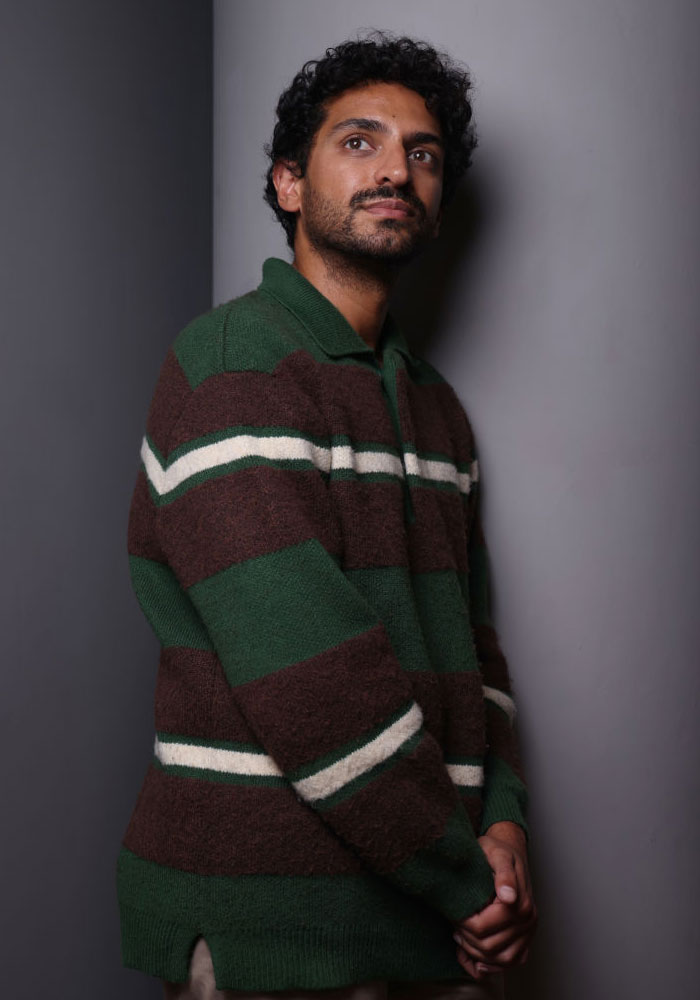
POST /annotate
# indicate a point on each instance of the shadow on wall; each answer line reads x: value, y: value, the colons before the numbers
x: 436, y: 285
x: 439, y: 280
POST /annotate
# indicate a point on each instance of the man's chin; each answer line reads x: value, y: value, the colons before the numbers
x: 394, y: 252
x: 392, y: 245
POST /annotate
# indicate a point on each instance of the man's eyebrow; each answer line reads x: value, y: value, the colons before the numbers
x: 366, y: 124
x: 374, y: 125
x: 423, y: 137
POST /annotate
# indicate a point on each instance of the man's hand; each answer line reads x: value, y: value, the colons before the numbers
x: 499, y: 935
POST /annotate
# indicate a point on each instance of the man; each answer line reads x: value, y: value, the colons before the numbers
x: 335, y: 802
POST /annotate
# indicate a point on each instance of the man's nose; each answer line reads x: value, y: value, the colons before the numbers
x: 392, y: 167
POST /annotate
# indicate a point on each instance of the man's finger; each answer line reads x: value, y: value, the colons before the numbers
x: 495, y: 917
x: 504, y: 876
x: 467, y: 963
x: 507, y: 956
x: 496, y: 943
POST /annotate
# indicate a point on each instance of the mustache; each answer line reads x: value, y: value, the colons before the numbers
x: 380, y: 193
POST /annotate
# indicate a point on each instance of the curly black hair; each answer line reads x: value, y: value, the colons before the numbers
x: 378, y: 58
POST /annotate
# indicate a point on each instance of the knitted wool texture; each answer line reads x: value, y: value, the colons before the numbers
x: 334, y: 717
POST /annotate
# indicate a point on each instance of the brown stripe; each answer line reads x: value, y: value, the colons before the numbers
x: 502, y: 737
x: 141, y: 540
x: 353, y: 401
x: 437, y: 538
x: 259, y: 399
x: 493, y: 663
x: 463, y: 701
x: 375, y: 532
x: 171, y: 394
x: 371, y: 517
x: 212, y: 828
x: 436, y: 418
x: 427, y: 691
x: 404, y: 809
x: 316, y: 706
x: 193, y: 698
x: 247, y: 513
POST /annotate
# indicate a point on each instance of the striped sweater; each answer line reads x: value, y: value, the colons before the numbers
x: 334, y: 721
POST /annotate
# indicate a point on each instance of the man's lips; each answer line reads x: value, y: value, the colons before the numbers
x: 389, y: 208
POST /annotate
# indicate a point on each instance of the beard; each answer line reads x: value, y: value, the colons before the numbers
x: 333, y: 229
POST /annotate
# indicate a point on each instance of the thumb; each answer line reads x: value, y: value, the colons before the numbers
x: 504, y: 877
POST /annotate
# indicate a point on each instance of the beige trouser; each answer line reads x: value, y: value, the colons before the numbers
x: 201, y: 986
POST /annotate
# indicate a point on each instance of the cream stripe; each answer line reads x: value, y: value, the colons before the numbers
x: 440, y: 469
x: 501, y: 699
x: 335, y: 776
x: 216, y: 759
x: 286, y: 446
x: 346, y: 457
x: 469, y: 775
x: 209, y: 456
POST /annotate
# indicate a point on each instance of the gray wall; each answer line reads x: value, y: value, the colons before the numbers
x: 562, y: 304
x: 105, y: 202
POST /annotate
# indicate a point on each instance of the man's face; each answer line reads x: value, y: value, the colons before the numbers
x: 373, y: 182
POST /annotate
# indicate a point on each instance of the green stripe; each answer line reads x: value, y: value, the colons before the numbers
x: 470, y: 791
x: 334, y: 756
x: 422, y: 482
x: 423, y: 373
x: 424, y: 614
x: 198, y: 348
x: 346, y: 441
x: 343, y: 475
x: 158, y: 454
x: 362, y: 780
x: 389, y: 591
x: 221, y: 777
x: 274, y: 610
x: 284, y: 901
x: 445, y: 621
x: 167, y: 607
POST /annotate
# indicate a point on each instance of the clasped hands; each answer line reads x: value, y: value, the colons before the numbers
x: 499, y: 935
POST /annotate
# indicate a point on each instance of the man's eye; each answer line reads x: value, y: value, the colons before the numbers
x: 422, y: 155
x: 356, y: 142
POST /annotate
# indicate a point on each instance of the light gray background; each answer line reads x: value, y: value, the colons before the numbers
x: 562, y: 304
x: 105, y: 220
x: 563, y: 307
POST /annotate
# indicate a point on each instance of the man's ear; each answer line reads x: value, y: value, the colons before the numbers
x: 286, y: 178
x: 436, y: 227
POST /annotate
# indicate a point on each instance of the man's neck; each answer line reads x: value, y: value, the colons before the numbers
x: 359, y: 291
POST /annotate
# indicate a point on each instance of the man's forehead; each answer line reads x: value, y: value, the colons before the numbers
x: 383, y: 101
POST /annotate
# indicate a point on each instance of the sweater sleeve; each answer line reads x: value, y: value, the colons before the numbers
x: 245, y: 521
x: 504, y: 793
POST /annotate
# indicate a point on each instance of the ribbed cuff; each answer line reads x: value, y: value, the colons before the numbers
x: 505, y: 797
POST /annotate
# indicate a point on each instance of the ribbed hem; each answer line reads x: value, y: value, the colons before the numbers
x: 357, y: 931
x: 156, y: 946
x: 257, y: 959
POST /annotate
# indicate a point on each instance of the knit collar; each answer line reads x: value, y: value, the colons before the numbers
x: 324, y: 322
